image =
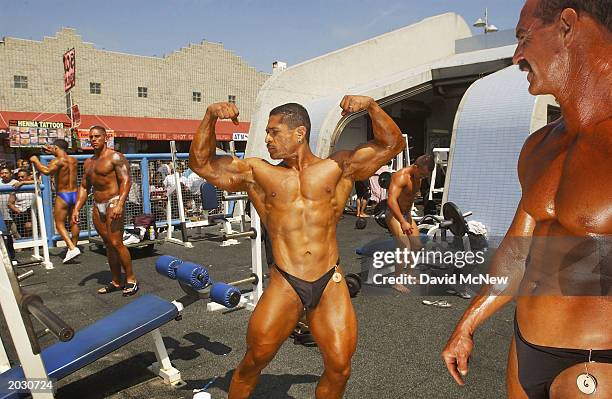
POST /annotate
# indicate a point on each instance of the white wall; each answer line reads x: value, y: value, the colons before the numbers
x: 495, y: 116
x: 320, y: 83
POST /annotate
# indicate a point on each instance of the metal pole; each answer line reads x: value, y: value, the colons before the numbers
x: 179, y: 193
x: 41, y: 214
x: 31, y: 363
x: 256, y: 265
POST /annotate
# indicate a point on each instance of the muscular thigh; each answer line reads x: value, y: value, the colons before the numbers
x: 394, y: 226
x: 513, y: 385
x: 276, y: 313
x: 413, y: 241
x: 333, y: 322
x: 99, y: 223
x: 564, y: 386
x: 60, y: 210
x: 115, y: 227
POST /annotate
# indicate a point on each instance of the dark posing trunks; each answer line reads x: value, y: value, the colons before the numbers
x: 309, y: 291
x: 538, y: 366
x: 68, y: 197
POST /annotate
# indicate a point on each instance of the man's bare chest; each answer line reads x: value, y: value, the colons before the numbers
x: 570, y: 184
x: 99, y: 169
x: 292, y: 188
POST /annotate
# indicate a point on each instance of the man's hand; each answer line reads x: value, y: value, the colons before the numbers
x: 224, y: 111
x: 350, y: 104
x: 34, y: 158
x: 456, y: 354
x: 406, y: 227
x: 75, y: 217
x: 115, y: 210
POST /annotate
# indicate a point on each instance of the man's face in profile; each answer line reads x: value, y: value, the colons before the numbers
x: 538, y: 49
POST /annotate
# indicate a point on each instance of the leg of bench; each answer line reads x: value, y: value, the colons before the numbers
x: 162, y: 367
x: 5, y: 364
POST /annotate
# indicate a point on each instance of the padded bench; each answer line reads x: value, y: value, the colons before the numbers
x: 141, y: 316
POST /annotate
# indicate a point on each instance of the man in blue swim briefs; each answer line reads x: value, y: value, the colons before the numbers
x: 64, y: 169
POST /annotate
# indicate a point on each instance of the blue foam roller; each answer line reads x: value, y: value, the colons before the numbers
x: 194, y: 275
x: 225, y: 294
x: 166, y: 266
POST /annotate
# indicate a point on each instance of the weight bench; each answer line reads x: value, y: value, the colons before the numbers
x: 143, y: 315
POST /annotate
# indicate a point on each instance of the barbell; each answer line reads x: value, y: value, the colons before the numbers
x: 452, y: 219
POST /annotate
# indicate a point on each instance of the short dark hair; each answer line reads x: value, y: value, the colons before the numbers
x: 426, y: 162
x: 600, y: 10
x: 61, y: 143
x: 98, y: 127
x: 293, y: 115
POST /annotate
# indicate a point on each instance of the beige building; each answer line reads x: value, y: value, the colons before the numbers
x: 177, y: 86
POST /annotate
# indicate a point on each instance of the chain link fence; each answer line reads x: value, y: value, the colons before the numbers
x: 153, y: 191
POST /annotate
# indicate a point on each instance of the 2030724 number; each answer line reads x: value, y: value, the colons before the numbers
x: 33, y: 385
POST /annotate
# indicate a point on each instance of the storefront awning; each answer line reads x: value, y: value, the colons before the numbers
x: 138, y: 128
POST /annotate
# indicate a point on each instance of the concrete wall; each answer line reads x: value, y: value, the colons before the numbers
x: 320, y: 83
x: 206, y: 67
x: 490, y: 40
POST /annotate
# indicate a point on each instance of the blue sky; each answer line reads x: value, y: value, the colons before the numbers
x: 259, y: 31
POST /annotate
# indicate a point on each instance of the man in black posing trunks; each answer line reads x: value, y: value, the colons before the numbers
x: 300, y: 202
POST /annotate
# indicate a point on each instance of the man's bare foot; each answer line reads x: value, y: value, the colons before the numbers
x: 401, y: 288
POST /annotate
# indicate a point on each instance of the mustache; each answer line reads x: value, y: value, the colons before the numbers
x: 524, y: 66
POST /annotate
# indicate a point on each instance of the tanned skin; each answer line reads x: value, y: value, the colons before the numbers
x: 64, y: 169
x: 564, y: 171
x: 108, y: 172
x: 300, y: 203
x: 404, y: 187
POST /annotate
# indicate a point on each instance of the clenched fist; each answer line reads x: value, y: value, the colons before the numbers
x: 224, y: 111
x: 350, y: 104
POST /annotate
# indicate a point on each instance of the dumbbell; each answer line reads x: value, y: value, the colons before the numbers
x: 361, y: 223
x: 353, y: 281
x: 191, y: 274
x: 196, y: 277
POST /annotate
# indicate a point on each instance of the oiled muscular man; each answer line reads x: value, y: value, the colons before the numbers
x: 403, y: 189
x: 64, y: 168
x: 300, y: 202
x: 108, y: 172
x: 557, y: 250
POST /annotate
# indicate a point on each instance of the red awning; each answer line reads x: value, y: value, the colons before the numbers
x: 139, y: 128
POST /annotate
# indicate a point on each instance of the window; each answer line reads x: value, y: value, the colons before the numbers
x: 231, y: 99
x: 20, y: 82
x: 95, y: 88
x: 142, y: 92
x: 197, y: 96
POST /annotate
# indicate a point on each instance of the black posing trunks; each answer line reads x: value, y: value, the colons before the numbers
x: 309, y: 291
x: 539, y: 365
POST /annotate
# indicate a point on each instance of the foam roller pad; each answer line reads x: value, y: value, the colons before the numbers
x: 166, y: 266
x: 194, y: 275
x: 225, y: 294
